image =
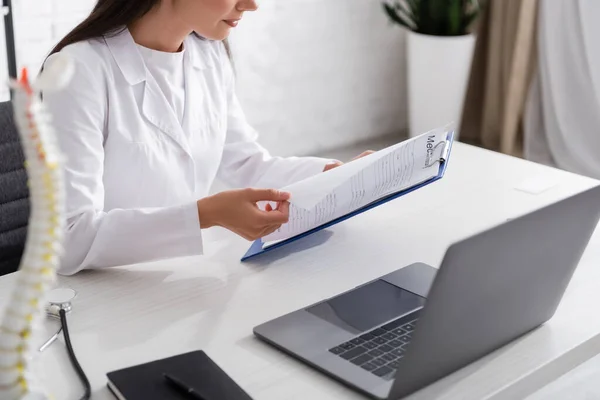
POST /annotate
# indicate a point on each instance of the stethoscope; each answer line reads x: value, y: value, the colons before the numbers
x: 59, y: 305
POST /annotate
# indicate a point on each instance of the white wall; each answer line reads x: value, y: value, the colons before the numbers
x: 4, y: 92
x: 39, y: 24
x: 317, y: 74
x: 312, y: 74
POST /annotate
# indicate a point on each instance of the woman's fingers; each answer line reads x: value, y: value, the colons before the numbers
x: 267, y: 221
x: 257, y: 233
x: 269, y: 207
x: 339, y: 163
x: 278, y: 216
x: 269, y: 230
x: 284, y: 208
x: 332, y: 165
x: 363, y: 154
x: 267, y: 195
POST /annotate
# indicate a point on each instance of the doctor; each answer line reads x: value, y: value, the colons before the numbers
x: 147, y: 123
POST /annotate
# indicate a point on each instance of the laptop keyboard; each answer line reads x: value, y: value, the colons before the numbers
x: 379, y: 350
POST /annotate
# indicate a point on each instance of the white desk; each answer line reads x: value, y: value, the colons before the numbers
x: 125, y: 316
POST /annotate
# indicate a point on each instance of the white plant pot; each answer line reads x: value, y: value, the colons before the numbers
x: 438, y: 73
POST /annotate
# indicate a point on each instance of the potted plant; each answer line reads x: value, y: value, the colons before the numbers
x: 439, y: 53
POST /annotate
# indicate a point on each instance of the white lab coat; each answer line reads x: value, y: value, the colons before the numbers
x: 133, y: 171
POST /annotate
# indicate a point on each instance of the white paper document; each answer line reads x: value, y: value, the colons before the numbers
x: 327, y: 196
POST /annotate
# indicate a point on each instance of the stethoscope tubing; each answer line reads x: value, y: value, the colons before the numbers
x: 59, y: 310
x: 80, y: 372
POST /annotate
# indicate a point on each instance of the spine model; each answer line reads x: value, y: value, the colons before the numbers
x: 43, y: 245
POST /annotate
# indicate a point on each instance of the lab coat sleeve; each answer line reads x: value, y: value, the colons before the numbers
x: 94, y: 237
x: 245, y: 162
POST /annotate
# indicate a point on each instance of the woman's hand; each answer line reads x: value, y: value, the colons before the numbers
x: 237, y: 211
x: 339, y: 163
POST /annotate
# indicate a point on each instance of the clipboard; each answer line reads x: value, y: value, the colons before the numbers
x: 257, y: 248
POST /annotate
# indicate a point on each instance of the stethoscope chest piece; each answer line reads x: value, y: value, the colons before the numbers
x: 57, y: 300
x: 60, y: 299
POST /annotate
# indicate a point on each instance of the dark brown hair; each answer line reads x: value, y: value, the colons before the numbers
x: 109, y: 17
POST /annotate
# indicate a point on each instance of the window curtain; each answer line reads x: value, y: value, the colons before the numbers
x: 562, y: 124
x: 501, y: 72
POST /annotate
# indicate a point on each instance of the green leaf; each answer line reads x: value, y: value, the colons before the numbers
x: 401, y: 7
x: 435, y: 17
x: 439, y: 16
x: 426, y: 19
x: 414, y: 10
x: 395, y: 17
x: 468, y: 20
x: 475, y: 4
x: 454, y: 17
x: 413, y: 4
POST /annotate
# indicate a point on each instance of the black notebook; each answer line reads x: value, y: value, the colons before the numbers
x: 196, y: 369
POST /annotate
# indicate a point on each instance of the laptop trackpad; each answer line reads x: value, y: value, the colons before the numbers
x: 367, y: 306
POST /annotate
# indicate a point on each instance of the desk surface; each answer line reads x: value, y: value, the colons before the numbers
x: 129, y: 315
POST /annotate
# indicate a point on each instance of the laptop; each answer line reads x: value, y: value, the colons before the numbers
x: 403, y: 331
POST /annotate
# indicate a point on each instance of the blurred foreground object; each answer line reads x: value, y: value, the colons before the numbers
x: 43, y: 248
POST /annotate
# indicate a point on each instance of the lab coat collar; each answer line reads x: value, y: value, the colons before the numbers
x: 155, y: 106
x: 130, y: 62
x: 127, y: 56
x: 200, y: 51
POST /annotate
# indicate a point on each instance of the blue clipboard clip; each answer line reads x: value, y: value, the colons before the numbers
x: 258, y: 248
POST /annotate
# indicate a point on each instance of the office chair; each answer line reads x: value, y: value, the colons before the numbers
x: 14, y: 194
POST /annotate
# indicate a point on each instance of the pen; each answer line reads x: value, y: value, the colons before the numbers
x: 182, y: 387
